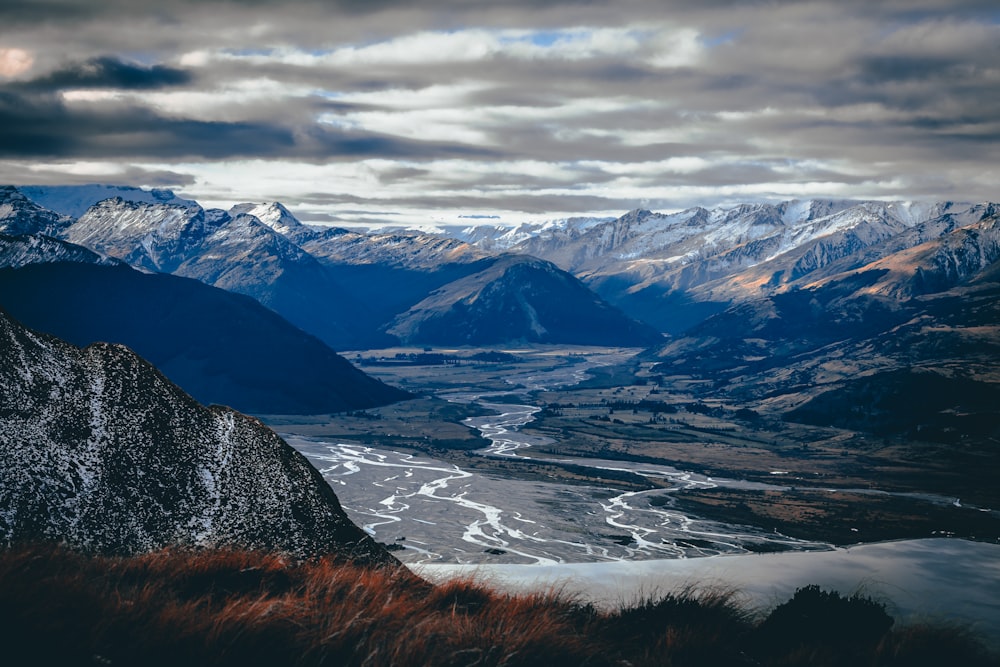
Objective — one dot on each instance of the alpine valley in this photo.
(753, 378)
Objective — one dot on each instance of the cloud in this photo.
(109, 72)
(567, 106)
(82, 173)
(42, 126)
(14, 62)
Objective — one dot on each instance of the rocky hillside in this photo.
(103, 453)
(867, 341)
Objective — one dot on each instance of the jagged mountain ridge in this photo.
(672, 270)
(25, 249)
(103, 453)
(220, 347)
(930, 312)
(74, 200)
(344, 287)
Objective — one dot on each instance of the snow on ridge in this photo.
(74, 200)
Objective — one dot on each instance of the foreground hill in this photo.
(103, 453)
(220, 347)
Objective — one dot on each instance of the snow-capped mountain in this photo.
(74, 200)
(103, 453)
(503, 238)
(349, 289)
(333, 245)
(654, 266)
(238, 253)
(409, 250)
(20, 215)
(155, 237)
(24, 249)
(278, 218)
(930, 308)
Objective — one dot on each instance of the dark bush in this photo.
(826, 622)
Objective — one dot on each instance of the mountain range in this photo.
(349, 289)
(104, 454)
(872, 316)
(673, 270)
(773, 303)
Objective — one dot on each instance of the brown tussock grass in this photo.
(173, 608)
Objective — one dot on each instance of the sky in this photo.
(372, 112)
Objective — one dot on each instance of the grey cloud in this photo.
(41, 126)
(804, 62)
(127, 175)
(108, 72)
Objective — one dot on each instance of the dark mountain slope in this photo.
(518, 298)
(103, 453)
(221, 347)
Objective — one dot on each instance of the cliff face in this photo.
(105, 454)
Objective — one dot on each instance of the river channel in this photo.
(437, 512)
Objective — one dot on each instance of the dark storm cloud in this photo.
(898, 97)
(108, 72)
(41, 126)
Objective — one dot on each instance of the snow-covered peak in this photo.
(278, 218)
(74, 200)
(272, 214)
(20, 215)
(151, 236)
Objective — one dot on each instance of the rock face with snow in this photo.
(518, 298)
(105, 454)
(672, 270)
(74, 200)
(25, 249)
(20, 215)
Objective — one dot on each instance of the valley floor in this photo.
(602, 462)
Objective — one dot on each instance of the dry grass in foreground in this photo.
(58, 607)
